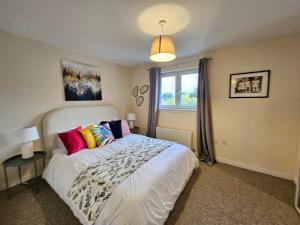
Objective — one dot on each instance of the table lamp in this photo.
(131, 117)
(28, 135)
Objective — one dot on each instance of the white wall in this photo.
(31, 84)
(260, 133)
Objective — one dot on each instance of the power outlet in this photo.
(223, 142)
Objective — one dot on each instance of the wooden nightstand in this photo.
(135, 130)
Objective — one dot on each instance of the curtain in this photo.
(154, 76)
(205, 139)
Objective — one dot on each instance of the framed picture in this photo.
(250, 84)
(81, 82)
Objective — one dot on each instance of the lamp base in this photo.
(130, 123)
(27, 150)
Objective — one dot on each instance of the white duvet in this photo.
(144, 198)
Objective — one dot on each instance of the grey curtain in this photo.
(154, 76)
(205, 141)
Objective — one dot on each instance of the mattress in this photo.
(144, 198)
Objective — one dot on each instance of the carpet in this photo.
(217, 195)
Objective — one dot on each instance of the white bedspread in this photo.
(144, 198)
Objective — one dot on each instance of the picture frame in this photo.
(253, 84)
(82, 82)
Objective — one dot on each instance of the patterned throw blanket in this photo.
(93, 186)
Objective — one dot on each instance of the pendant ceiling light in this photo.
(162, 48)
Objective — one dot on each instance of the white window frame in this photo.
(177, 75)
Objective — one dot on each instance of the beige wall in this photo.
(260, 133)
(31, 84)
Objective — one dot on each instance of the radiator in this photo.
(183, 137)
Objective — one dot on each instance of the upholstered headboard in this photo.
(64, 118)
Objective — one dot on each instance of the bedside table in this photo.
(18, 161)
(135, 130)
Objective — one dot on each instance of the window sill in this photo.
(178, 110)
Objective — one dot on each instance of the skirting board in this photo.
(256, 169)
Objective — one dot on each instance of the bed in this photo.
(144, 198)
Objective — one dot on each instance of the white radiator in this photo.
(183, 137)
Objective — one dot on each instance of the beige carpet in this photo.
(216, 195)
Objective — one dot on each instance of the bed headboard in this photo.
(64, 118)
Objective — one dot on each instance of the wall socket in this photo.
(223, 142)
(217, 142)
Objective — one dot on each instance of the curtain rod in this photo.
(181, 63)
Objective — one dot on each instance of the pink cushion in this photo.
(72, 140)
(125, 128)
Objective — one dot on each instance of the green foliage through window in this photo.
(168, 99)
(179, 90)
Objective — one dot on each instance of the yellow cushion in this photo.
(89, 137)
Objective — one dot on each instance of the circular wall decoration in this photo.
(135, 91)
(139, 100)
(144, 89)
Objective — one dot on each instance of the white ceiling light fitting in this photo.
(162, 48)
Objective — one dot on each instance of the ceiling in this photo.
(120, 31)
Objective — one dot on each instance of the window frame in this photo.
(177, 74)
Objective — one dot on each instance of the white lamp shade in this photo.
(131, 116)
(163, 49)
(28, 134)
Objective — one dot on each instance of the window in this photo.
(168, 91)
(179, 90)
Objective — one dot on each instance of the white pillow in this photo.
(89, 124)
(59, 151)
(61, 146)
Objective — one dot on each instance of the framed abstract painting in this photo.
(81, 82)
